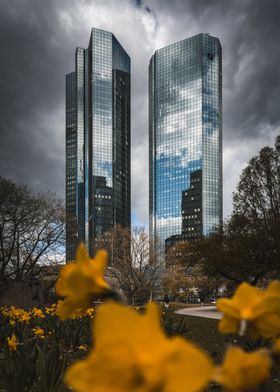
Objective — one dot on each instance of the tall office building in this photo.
(97, 141)
(185, 140)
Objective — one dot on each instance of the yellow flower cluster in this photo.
(132, 352)
(21, 315)
(252, 311)
(15, 314)
(76, 313)
(52, 310)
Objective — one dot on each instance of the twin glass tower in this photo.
(185, 136)
(185, 141)
(97, 141)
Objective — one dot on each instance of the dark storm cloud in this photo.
(34, 59)
(258, 92)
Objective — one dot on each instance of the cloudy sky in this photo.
(38, 40)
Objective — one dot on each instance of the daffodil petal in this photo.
(269, 326)
(247, 296)
(111, 369)
(107, 318)
(132, 353)
(65, 272)
(226, 306)
(242, 371)
(81, 254)
(229, 325)
(191, 369)
(270, 304)
(274, 288)
(81, 282)
(100, 261)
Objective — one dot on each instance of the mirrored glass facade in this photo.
(97, 141)
(185, 140)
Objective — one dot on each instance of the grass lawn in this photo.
(201, 331)
(204, 333)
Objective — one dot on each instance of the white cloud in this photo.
(139, 184)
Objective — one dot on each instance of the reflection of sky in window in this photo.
(80, 212)
(89, 150)
(185, 106)
(212, 137)
(102, 103)
(107, 54)
(178, 115)
(172, 179)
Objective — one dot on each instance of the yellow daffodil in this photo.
(12, 343)
(16, 314)
(80, 282)
(39, 332)
(132, 354)
(251, 311)
(51, 310)
(12, 323)
(24, 318)
(83, 347)
(242, 371)
(37, 313)
(89, 312)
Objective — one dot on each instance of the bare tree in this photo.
(31, 231)
(132, 262)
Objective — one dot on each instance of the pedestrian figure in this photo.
(166, 301)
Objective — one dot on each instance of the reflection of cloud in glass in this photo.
(98, 94)
(185, 131)
(172, 178)
(105, 167)
(168, 226)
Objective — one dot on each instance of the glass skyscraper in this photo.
(185, 140)
(97, 141)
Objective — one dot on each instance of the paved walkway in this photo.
(201, 311)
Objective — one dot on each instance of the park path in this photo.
(201, 311)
